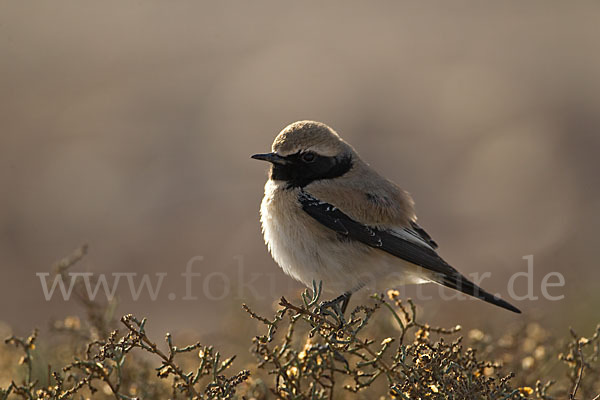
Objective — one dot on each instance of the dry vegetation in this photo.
(380, 350)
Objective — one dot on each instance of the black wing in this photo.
(423, 235)
(396, 245)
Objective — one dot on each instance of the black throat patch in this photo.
(298, 172)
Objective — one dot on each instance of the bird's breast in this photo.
(290, 234)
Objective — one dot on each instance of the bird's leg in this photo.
(345, 301)
(338, 305)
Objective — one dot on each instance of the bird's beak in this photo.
(270, 157)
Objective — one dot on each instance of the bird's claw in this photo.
(337, 307)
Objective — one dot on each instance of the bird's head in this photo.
(306, 151)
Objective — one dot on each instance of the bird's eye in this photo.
(308, 157)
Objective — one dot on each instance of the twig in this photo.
(166, 359)
(580, 375)
(283, 302)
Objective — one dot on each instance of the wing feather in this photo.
(412, 245)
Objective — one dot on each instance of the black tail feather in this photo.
(462, 284)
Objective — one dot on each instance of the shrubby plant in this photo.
(307, 350)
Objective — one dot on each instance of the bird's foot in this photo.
(337, 306)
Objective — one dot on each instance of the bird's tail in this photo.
(462, 284)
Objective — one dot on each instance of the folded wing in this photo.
(411, 244)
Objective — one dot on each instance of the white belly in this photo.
(307, 250)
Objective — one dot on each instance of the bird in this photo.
(327, 216)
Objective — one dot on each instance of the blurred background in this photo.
(129, 126)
